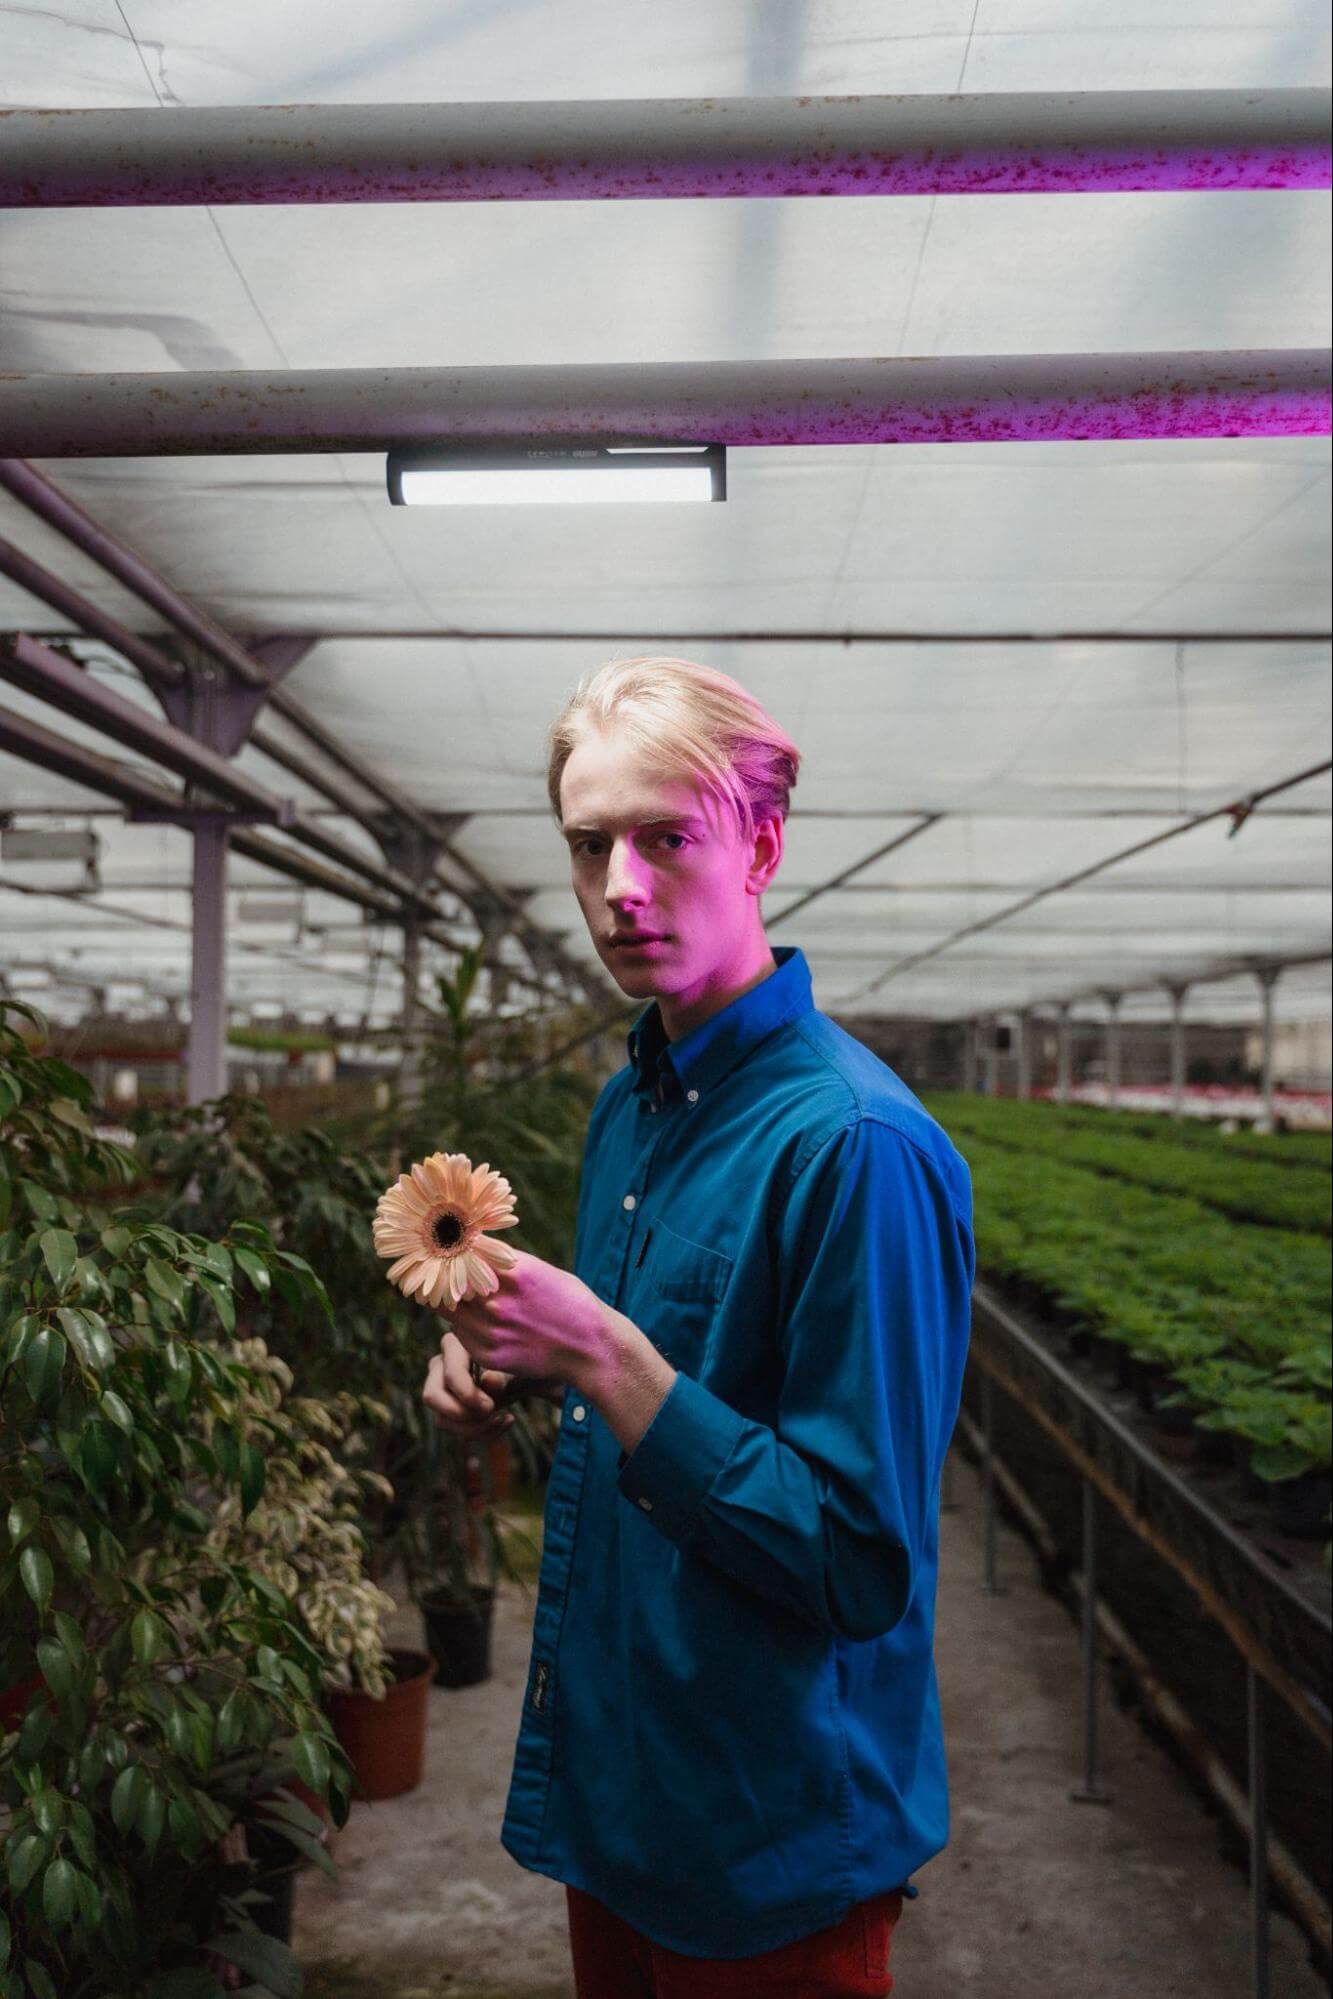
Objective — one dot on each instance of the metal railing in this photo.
(1283, 1632)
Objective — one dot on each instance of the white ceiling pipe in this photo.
(1013, 142)
(953, 399)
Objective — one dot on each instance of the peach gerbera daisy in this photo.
(433, 1221)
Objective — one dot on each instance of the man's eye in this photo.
(581, 846)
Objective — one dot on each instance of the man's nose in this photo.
(624, 874)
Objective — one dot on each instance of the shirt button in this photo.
(647, 1505)
(628, 1201)
(693, 1096)
(579, 1413)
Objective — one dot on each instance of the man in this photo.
(730, 1748)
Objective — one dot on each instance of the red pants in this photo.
(848, 1961)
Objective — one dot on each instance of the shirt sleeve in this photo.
(828, 1512)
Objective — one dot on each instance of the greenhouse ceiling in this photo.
(1063, 701)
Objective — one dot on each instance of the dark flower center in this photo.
(448, 1231)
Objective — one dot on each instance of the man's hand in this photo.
(475, 1410)
(542, 1322)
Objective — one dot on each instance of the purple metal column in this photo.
(206, 1066)
(1267, 978)
(1112, 1049)
(1178, 1050)
(1062, 1052)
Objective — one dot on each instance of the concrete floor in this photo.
(1034, 1894)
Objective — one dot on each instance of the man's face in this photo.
(657, 855)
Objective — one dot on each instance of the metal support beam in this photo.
(970, 1054)
(206, 1058)
(49, 751)
(146, 800)
(409, 1068)
(1091, 1791)
(28, 664)
(1268, 978)
(39, 671)
(1257, 1746)
(1024, 1053)
(1240, 808)
(45, 499)
(1178, 1050)
(1112, 1045)
(1015, 142)
(1062, 1054)
(948, 399)
(989, 1054)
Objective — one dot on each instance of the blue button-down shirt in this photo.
(731, 1728)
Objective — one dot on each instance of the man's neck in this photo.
(680, 1019)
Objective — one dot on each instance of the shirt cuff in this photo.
(670, 1470)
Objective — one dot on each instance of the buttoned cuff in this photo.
(670, 1470)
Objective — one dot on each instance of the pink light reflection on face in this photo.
(696, 886)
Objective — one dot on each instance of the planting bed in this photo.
(1271, 1587)
(1229, 1316)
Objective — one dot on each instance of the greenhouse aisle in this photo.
(1034, 1893)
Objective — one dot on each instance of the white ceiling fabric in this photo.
(1041, 754)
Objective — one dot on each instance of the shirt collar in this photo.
(701, 1058)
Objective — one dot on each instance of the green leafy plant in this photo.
(1239, 1314)
(318, 1197)
(161, 1688)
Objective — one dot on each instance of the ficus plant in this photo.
(319, 1197)
(158, 1691)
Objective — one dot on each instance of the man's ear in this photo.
(768, 848)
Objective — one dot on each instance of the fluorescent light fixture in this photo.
(40, 843)
(550, 471)
(268, 908)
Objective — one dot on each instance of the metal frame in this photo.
(1013, 142)
(953, 399)
(249, 668)
(1238, 811)
(1280, 1632)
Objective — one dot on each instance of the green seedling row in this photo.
(1239, 1185)
(1239, 1316)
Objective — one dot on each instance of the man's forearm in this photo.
(627, 1381)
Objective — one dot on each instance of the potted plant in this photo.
(169, 1682)
(305, 1535)
(476, 1099)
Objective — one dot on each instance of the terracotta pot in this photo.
(502, 1467)
(385, 1740)
(320, 1807)
(13, 1700)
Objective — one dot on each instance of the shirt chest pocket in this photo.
(679, 1289)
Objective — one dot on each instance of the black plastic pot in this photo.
(458, 1632)
(1150, 1379)
(1215, 1447)
(1111, 1359)
(274, 1916)
(1299, 1504)
(1172, 1419)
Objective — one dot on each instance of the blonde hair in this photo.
(691, 721)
